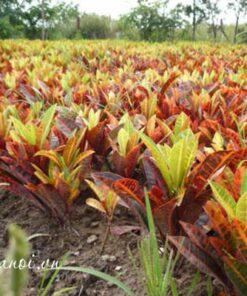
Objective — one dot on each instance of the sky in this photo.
(115, 8)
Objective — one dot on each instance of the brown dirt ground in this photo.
(73, 238)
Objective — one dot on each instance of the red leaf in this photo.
(233, 136)
(18, 189)
(152, 174)
(118, 162)
(199, 258)
(166, 218)
(120, 230)
(97, 138)
(106, 177)
(131, 160)
(51, 200)
(156, 195)
(170, 80)
(212, 163)
(129, 188)
(198, 237)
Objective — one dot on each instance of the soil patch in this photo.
(82, 237)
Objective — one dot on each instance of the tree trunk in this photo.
(78, 23)
(194, 22)
(194, 32)
(214, 29)
(236, 30)
(43, 19)
(223, 30)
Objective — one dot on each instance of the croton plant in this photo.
(84, 118)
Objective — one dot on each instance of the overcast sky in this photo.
(115, 8)
(112, 7)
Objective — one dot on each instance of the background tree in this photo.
(93, 26)
(32, 19)
(213, 11)
(178, 21)
(11, 17)
(127, 30)
(239, 7)
(151, 20)
(196, 10)
(242, 36)
(146, 18)
(46, 20)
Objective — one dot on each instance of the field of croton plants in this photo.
(99, 126)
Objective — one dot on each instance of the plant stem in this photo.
(106, 235)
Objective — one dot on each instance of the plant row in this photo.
(80, 118)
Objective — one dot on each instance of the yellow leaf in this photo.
(73, 195)
(41, 175)
(69, 150)
(96, 189)
(82, 156)
(95, 204)
(52, 155)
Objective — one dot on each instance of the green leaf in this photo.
(157, 268)
(18, 250)
(241, 208)
(123, 138)
(27, 132)
(174, 288)
(209, 286)
(243, 189)
(182, 123)
(176, 164)
(193, 284)
(160, 159)
(224, 198)
(102, 276)
(151, 226)
(182, 156)
(45, 289)
(46, 122)
(63, 291)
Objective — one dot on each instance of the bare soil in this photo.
(120, 257)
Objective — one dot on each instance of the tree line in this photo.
(150, 20)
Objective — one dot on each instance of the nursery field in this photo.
(100, 139)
